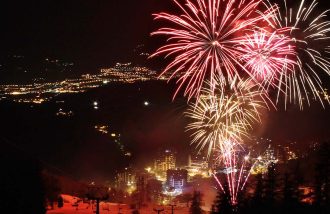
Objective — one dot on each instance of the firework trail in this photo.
(309, 34)
(235, 166)
(203, 41)
(217, 116)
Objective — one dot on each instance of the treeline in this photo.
(21, 186)
(27, 185)
(288, 188)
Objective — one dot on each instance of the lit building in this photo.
(165, 162)
(141, 194)
(176, 178)
(154, 190)
(263, 162)
(126, 180)
(269, 155)
(197, 166)
(289, 154)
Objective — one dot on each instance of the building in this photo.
(165, 161)
(141, 192)
(264, 161)
(126, 180)
(154, 191)
(176, 178)
(197, 165)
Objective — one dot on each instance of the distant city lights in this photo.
(120, 73)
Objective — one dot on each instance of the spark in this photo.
(237, 167)
(309, 34)
(219, 116)
(202, 41)
(267, 56)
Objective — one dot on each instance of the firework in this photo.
(235, 166)
(268, 56)
(220, 116)
(203, 41)
(309, 34)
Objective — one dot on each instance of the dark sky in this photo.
(95, 30)
(92, 31)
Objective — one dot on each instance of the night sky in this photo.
(91, 31)
(94, 33)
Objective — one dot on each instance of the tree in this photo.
(223, 203)
(322, 177)
(290, 194)
(195, 207)
(60, 202)
(257, 202)
(135, 212)
(213, 210)
(185, 198)
(154, 190)
(52, 188)
(21, 186)
(243, 200)
(270, 188)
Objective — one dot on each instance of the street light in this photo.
(97, 193)
(172, 207)
(159, 210)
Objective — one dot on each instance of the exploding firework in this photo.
(220, 116)
(267, 56)
(309, 34)
(235, 165)
(203, 41)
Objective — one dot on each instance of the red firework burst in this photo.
(268, 56)
(204, 41)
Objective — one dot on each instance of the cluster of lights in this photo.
(63, 113)
(123, 73)
(102, 129)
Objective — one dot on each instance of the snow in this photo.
(105, 208)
